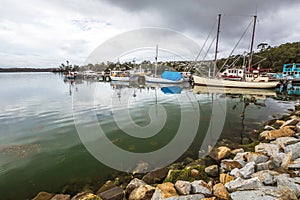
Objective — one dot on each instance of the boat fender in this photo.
(255, 75)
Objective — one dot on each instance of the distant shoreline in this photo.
(2, 70)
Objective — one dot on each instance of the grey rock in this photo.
(277, 159)
(285, 141)
(115, 193)
(264, 193)
(201, 187)
(294, 148)
(244, 172)
(240, 184)
(156, 176)
(294, 164)
(86, 196)
(183, 187)
(269, 165)
(187, 197)
(212, 170)
(143, 192)
(269, 149)
(229, 165)
(61, 197)
(256, 157)
(236, 151)
(134, 183)
(251, 195)
(247, 170)
(267, 177)
(236, 173)
(269, 128)
(291, 122)
(284, 181)
(286, 160)
(264, 134)
(240, 157)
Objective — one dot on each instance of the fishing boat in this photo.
(245, 80)
(120, 76)
(218, 82)
(167, 77)
(70, 75)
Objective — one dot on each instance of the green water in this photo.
(41, 150)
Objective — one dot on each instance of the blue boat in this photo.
(290, 72)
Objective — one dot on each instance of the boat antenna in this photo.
(156, 55)
(217, 41)
(252, 42)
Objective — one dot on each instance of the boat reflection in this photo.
(257, 93)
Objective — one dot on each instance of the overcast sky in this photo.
(45, 33)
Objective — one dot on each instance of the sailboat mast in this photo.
(217, 43)
(251, 47)
(156, 55)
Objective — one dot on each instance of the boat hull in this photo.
(116, 78)
(233, 84)
(150, 79)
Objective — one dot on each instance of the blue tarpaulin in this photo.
(171, 89)
(174, 76)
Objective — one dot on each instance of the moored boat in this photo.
(167, 77)
(215, 82)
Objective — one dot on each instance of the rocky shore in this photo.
(266, 168)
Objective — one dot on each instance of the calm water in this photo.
(41, 149)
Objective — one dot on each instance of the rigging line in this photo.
(235, 46)
(208, 49)
(212, 28)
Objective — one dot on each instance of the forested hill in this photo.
(271, 57)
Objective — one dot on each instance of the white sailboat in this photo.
(167, 77)
(219, 82)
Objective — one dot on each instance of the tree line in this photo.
(267, 57)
